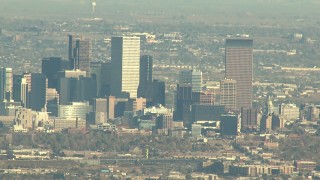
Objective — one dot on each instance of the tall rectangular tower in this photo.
(125, 62)
(26, 89)
(72, 50)
(80, 53)
(9, 84)
(106, 80)
(193, 77)
(146, 66)
(39, 85)
(6, 84)
(183, 105)
(85, 55)
(16, 92)
(2, 84)
(238, 64)
(24, 93)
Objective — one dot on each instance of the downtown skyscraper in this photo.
(238, 64)
(80, 53)
(146, 68)
(6, 84)
(146, 65)
(125, 63)
(193, 77)
(39, 86)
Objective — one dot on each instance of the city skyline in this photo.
(164, 90)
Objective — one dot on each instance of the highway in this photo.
(151, 161)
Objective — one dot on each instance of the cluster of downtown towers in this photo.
(128, 75)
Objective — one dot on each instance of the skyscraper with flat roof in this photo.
(146, 65)
(2, 84)
(106, 75)
(85, 55)
(229, 124)
(80, 53)
(193, 77)
(9, 84)
(24, 93)
(26, 86)
(183, 105)
(6, 84)
(238, 64)
(72, 52)
(77, 89)
(50, 67)
(125, 62)
(155, 93)
(95, 72)
(38, 91)
(16, 92)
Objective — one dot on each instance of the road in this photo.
(151, 161)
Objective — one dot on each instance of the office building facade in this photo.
(80, 53)
(228, 93)
(16, 92)
(77, 89)
(106, 80)
(51, 67)
(183, 104)
(6, 84)
(193, 77)
(155, 93)
(249, 118)
(125, 62)
(38, 91)
(207, 98)
(238, 66)
(229, 124)
(74, 110)
(207, 112)
(146, 66)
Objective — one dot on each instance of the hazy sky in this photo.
(106, 8)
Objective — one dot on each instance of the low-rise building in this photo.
(202, 176)
(305, 165)
(75, 110)
(106, 127)
(255, 170)
(30, 119)
(65, 123)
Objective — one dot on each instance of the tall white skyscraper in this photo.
(125, 62)
(24, 92)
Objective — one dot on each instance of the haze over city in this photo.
(159, 89)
